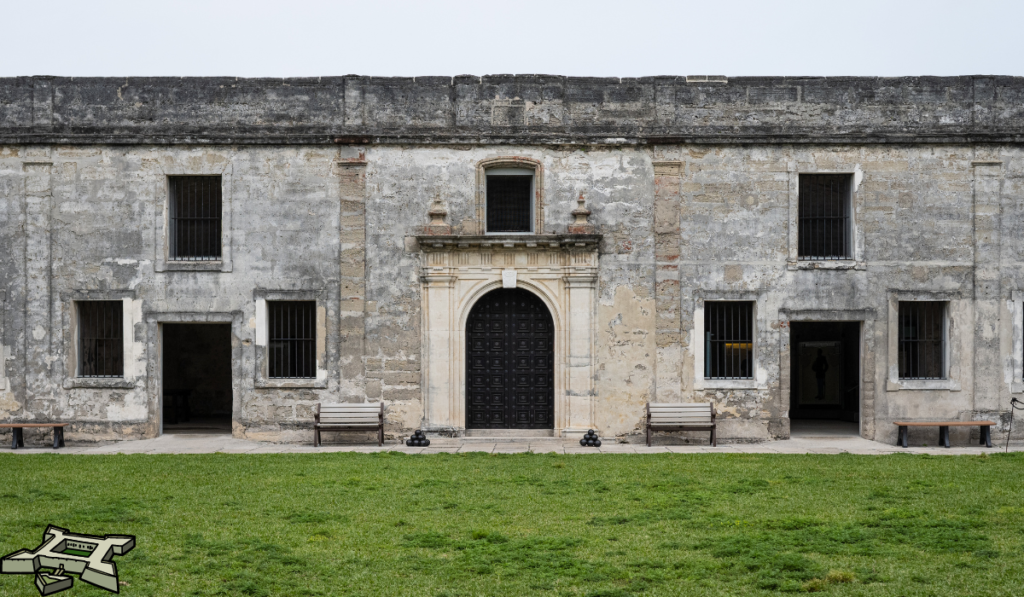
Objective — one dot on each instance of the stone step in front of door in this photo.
(510, 433)
(493, 436)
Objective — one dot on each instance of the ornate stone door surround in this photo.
(458, 270)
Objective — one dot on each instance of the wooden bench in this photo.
(349, 417)
(18, 441)
(985, 426)
(683, 416)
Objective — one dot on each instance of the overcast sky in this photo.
(626, 38)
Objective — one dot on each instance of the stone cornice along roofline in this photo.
(511, 110)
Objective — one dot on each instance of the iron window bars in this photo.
(195, 212)
(509, 203)
(292, 339)
(922, 353)
(728, 340)
(100, 339)
(824, 217)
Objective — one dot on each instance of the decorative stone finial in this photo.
(437, 212)
(582, 224)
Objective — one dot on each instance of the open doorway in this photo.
(825, 378)
(196, 378)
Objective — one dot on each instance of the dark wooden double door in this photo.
(510, 363)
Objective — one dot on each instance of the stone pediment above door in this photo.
(540, 252)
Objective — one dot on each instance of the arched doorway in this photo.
(510, 362)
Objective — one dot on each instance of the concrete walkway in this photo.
(210, 443)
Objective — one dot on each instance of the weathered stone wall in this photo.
(99, 211)
(507, 109)
(691, 183)
(931, 222)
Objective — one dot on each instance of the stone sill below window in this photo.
(194, 266)
(118, 383)
(829, 264)
(286, 384)
(950, 385)
(726, 384)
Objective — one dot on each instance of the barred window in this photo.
(824, 218)
(728, 340)
(195, 211)
(292, 339)
(100, 339)
(922, 351)
(510, 202)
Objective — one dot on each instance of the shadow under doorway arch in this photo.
(510, 362)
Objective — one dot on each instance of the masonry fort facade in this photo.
(510, 252)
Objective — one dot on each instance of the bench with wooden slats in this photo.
(684, 416)
(349, 417)
(18, 441)
(984, 426)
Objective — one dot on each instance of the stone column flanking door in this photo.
(457, 270)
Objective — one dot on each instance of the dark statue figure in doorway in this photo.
(820, 367)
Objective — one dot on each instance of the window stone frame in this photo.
(133, 352)
(760, 323)
(953, 342)
(262, 379)
(793, 261)
(162, 227)
(518, 163)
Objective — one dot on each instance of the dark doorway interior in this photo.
(197, 378)
(510, 362)
(825, 371)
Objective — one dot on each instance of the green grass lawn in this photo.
(663, 524)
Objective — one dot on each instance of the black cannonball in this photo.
(426, 442)
(408, 442)
(583, 441)
(590, 442)
(597, 443)
(590, 431)
(420, 442)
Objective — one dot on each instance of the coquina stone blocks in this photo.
(692, 187)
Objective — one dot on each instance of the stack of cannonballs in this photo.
(417, 439)
(591, 440)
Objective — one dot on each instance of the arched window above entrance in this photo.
(510, 196)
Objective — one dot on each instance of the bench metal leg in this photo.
(714, 439)
(943, 436)
(901, 439)
(986, 436)
(19, 438)
(380, 435)
(648, 436)
(56, 437)
(14, 438)
(316, 437)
